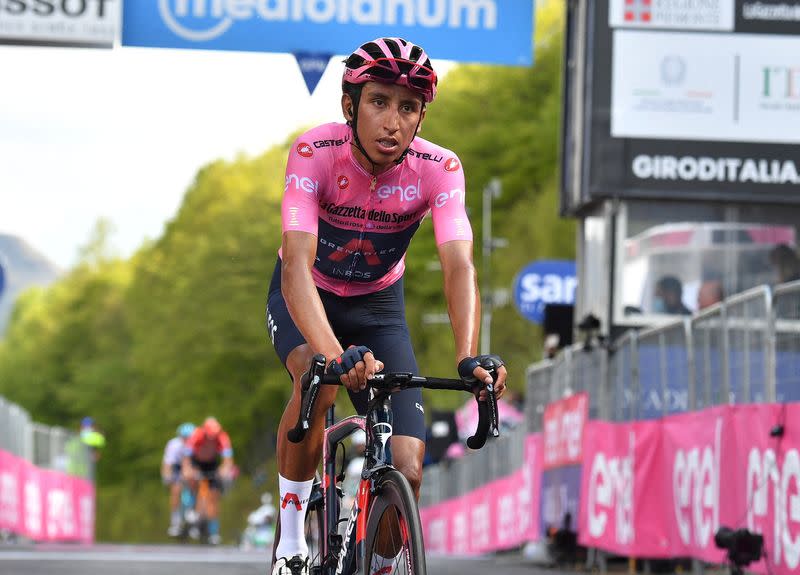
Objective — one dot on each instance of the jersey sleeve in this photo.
(191, 443)
(167, 458)
(225, 448)
(447, 202)
(300, 206)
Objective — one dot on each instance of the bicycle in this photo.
(186, 504)
(197, 517)
(384, 516)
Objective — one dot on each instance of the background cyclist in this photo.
(209, 453)
(355, 194)
(171, 474)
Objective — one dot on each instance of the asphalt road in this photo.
(193, 560)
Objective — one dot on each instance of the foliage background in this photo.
(177, 331)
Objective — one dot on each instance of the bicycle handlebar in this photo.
(391, 382)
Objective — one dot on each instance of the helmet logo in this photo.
(305, 150)
(342, 182)
(452, 165)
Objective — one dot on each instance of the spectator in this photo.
(91, 437)
(786, 263)
(668, 297)
(710, 293)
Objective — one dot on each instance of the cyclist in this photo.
(209, 452)
(354, 195)
(171, 474)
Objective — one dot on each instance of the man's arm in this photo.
(300, 294)
(186, 467)
(463, 304)
(463, 298)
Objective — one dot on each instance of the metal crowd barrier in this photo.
(45, 446)
(745, 349)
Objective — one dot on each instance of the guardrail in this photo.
(47, 447)
(745, 349)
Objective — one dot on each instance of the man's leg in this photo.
(174, 501)
(212, 511)
(297, 462)
(408, 453)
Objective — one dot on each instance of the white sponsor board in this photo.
(737, 88)
(63, 22)
(672, 14)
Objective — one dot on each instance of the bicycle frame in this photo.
(344, 554)
(377, 424)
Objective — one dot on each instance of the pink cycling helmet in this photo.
(392, 61)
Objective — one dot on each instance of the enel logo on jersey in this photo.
(406, 194)
(302, 183)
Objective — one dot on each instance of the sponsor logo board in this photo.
(466, 30)
(62, 22)
(672, 14)
(705, 87)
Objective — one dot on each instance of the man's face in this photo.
(388, 115)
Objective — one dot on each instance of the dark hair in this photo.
(782, 254)
(670, 284)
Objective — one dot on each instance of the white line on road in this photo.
(142, 556)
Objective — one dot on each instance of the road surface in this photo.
(194, 560)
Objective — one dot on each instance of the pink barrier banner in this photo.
(564, 421)
(765, 480)
(653, 489)
(499, 515)
(45, 505)
(663, 488)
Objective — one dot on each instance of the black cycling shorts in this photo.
(209, 470)
(376, 320)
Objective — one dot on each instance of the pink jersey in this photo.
(365, 224)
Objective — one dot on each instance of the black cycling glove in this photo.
(348, 360)
(467, 366)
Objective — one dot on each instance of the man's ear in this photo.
(421, 118)
(347, 107)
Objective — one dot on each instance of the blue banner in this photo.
(489, 31)
(561, 492)
(312, 66)
(542, 282)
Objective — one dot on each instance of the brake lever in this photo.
(309, 389)
(487, 412)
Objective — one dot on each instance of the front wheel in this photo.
(394, 532)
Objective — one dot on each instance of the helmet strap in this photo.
(405, 152)
(355, 96)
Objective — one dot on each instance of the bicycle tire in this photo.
(314, 531)
(394, 517)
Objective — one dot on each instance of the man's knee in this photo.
(412, 470)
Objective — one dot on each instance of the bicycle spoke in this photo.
(391, 545)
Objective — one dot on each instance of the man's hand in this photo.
(355, 367)
(471, 370)
(226, 470)
(187, 471)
